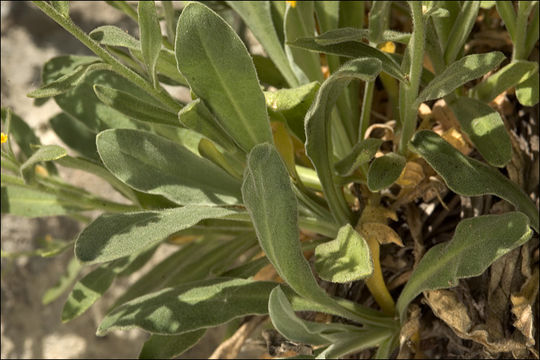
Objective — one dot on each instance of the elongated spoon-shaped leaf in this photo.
(191, 306)
(476, 244)
(527, 91)
(458, 73)
(111, 237)
(344, 259)
(257, 15)
(384, 170)
(150, 36)
(318, 143)
(470, 177)
(485, 128)
(218, 68)
(271, 203)
(155, 165)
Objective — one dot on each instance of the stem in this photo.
(366, 109)
(66, 22)
(415, 73)
(375, 282)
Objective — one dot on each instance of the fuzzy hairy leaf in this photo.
(459, 73)
(114, 36)
(485, 128)
(44, 153)
(150, 36)
(257, 15)
(170, 346)
(155, 165)
(192, 306)
(527, 91)
(344, 259)
(135, 108)
(510, 75)
(220, 71)
(384, 171)
(347, 34)
(476, 244)
(63, 284)
(318, 143)
(111, 237)
(353, 49)
(470, 177)
(361, 153)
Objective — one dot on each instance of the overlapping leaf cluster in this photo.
(262, 156)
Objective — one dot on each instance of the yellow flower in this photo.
(388, 47)
(4, 138)
(292, 3)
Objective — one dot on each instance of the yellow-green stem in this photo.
(375, 282)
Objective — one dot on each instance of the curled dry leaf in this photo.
(522, 308)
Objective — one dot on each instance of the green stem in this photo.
(66, 22)
(415, 73)
(366, 109)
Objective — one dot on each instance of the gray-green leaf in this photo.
(257, 15)
(111, 237)
(459, 73)
(318, 143)
(219, 70)
(470, 177)
(170, 346)
(384, 171)
(485, 128)
(527, 91)
(510, 75)
(150, 36)
(361, 153)
(344, 259)
(44, 153)
(191, 306)
(155, 165)
(476, 244)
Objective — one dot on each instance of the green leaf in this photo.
(135, 108)
(272, 206)
(353, 49)
(459, 73)
(344, 259)
(114, 36)
(66, 82)
(470, 177)
(72, 271)
(75, 135)
(510, 75)
(299, 22)
(44, 153)
(111, 237)
(378, 20)
(508, 15)
(31, 203)
(356, 341)
(485, 128)
(318, 144)
(361, 153)
(220, 71)
(22, 133)
(527, 91)
(293, 328)
(257, 15)
(461, 29)
(86, 292)
(191, 306)
(155, 165)
(348, 34)
(384, 171)
(62, 7)
(59, 66)
(293, 104)
(166, 65)
(150, 34)
(197, 117)
(170, 346)
(82, 103)
(267, 72)
(476, 244)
